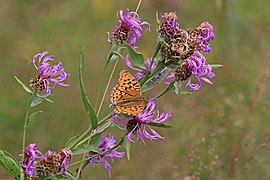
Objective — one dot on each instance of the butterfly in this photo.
(126, 96)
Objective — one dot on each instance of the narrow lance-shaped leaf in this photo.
(136, 58)
(215, 66)
(10, 164)
(87, 105)
(127, 146)
(163, 125)
(32, 118)
(26, 88)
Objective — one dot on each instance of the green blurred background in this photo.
(206, 123)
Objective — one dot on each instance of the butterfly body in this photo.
(126, 96)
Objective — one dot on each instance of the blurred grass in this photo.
(206, 123)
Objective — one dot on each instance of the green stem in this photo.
(26, 117)
(155, 54)
(159, 68)
(82, 139)
(114, 47)
(165, 90)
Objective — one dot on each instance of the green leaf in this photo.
(117, 124)
(67, 175)
(160, 125)
(8, 162)
(32, 118)
(95, 140)
(155, 81)
(162, 41)
(127, 146)
(36, 101)
(71, 140)
(215, 66)
(114, 54)
(26, 88)
(176, 87)
(87, 105)
(136, 58)
(78, 151)
(91, 148)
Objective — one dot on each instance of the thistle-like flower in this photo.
(54, 74)
(37, 165)
(140, 124)
(169, 26)
(195, 66)
(129, 29)
(30, 155)
(107, 142)
(201, 36)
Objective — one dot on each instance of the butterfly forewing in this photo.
(127, 95)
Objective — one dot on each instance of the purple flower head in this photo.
(206, 34)
(195, 66)
(140, 124)
(169, 25)
(30, 155)
(107, 142)
(130, 27)
(54, 74)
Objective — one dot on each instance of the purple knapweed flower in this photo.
(169, 26)
(205, 34)
(130, 27)
(36, 164)
(30, 155)
(54, 74)
(195, 66)
(107, 142)
(139, 124)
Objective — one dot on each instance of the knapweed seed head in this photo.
(129, 29)
(107, 143)
(48, 75)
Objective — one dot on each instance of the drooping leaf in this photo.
(8, 162)
(32, 118)
(127, 146)
(163, 125)
(136, 58)
(215, 66)
(87, 105)
(91, 148)
(26, 88)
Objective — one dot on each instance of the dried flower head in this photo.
(107, 143)
(54, 74)
(129, 29)
(169, 26)
(139, 124)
